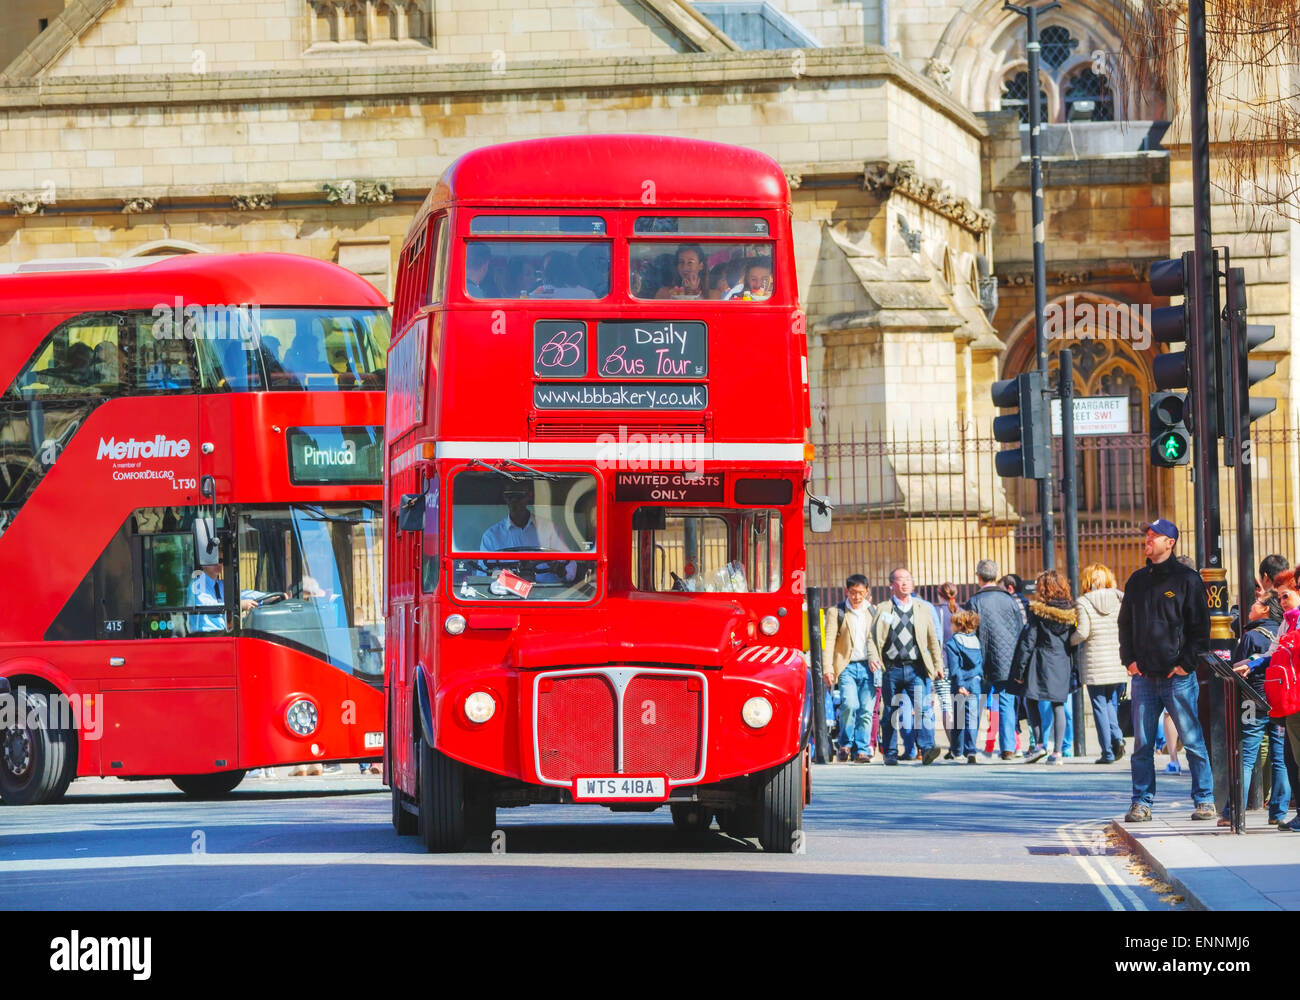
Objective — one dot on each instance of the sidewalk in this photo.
(1212, 867)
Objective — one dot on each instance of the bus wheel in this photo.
(208, 786)
(740, 822)
(691, 817)
(36, 762)
(405, 823)
(781, 808)
(442, 801)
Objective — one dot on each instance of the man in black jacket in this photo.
(1164, 622)
(1001, 619)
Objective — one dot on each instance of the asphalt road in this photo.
(945, 837)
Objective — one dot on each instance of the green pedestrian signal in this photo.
(1173, 448)
(1171, 442)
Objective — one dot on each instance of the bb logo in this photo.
(1169, 593)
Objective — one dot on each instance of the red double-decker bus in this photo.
(190, 502)
(596, 425)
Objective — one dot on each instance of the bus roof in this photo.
(270, 279)
(613, 171)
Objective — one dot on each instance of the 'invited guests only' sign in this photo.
(678, 487)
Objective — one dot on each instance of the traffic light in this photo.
(1246, 337)
(1031, 427)
(1171, 444)
(1173, 324)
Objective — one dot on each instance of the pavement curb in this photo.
(1135, 844)
(1222, 890)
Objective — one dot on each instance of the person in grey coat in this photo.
(1100, 666)
(1001, 620)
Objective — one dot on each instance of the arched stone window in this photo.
(1058, 45)
(1015, 96)
(351, 23)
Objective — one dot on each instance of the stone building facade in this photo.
(138, 127)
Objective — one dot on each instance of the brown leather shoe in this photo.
(842, 755)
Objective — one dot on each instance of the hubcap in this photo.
(17, 751)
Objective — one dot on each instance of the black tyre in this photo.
(691, 817)
(443, 824)
(780, 808)
(36, 761)
(208, 786)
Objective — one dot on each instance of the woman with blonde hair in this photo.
(1047, 659)
(1100, 665)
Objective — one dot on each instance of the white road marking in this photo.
(1104, 875)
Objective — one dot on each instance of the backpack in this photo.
(1281, 680)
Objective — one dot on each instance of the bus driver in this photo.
(520, 530)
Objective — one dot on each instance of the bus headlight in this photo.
(757, 713)
(301, 717)
(768, 625)
(454, 624)
(480, 706)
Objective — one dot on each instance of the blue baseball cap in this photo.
(1162, 527)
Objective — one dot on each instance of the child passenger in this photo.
(964, 662)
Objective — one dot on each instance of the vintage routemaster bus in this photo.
(190, 520)
(596, 426)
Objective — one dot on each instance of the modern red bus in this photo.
(596, 426)
(190, 502)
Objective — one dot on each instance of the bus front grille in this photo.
(582, 723)
(662, 723)
(575, 727)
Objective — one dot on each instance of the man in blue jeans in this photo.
(1164, 622)
(855, 668)
(904, 633)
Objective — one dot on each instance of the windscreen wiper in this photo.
(492, 468)
(532, 472)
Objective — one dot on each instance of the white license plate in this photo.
(374, 740)
(619, 787)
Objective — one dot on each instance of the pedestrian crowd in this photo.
(1013, 655)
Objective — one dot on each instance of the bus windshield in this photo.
(321, 557)
(297, 349)
(546, 524)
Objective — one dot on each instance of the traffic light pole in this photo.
(1032, 48)
(1205, 446)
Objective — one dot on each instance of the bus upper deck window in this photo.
(737, 272)
(536, 269)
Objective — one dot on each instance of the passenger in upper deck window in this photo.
(724, 277)
(478, 259)
(757, 283)
(690, 275)
(560, 279)
(593, 268)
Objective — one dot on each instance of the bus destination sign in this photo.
(335, 455)
(675, 487)
(652, 350)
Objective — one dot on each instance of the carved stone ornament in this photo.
(884, 178)
(252, 202)
(940, 73)
(375, 193)
(793, 179)
(135, 206)
(27, 203)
